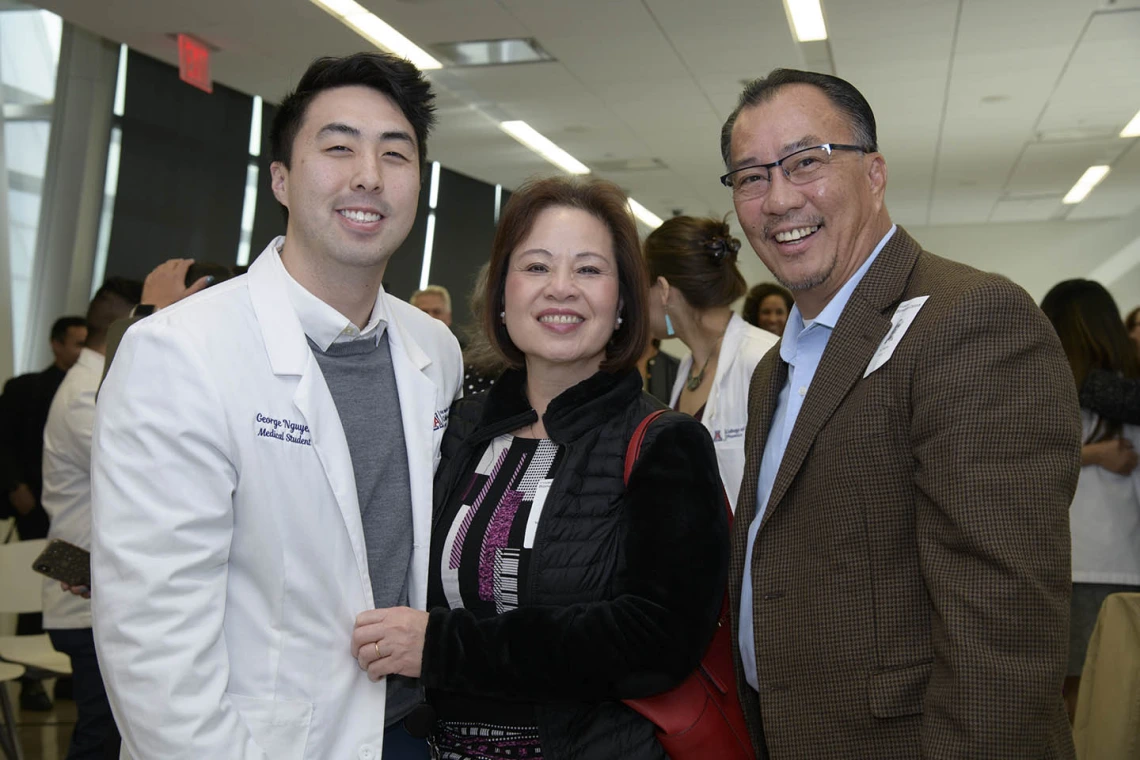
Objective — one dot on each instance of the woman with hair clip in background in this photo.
(694, 281)
(1105, 516)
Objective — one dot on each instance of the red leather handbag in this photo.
(702, 718)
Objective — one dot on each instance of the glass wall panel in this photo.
(29, 58)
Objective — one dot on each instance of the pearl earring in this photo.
(618, 326)
(503, 317)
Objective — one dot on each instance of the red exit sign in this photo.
(194, 63)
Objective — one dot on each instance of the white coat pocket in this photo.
(280, 727)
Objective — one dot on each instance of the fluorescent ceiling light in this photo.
(121, 84)
(807, 20)
(650, 219)
(529, 137)
(369, 26)
(341, 7)
(429, 243)
(1133, 127)
(255, 128)
(433, 194)
(1090, 179)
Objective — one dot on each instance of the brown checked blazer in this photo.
(911, 573)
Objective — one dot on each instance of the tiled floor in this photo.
(43, 735)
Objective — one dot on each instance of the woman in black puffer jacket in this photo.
(556, 590)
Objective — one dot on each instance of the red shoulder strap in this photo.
(633, 450)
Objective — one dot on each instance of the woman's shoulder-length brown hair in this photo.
(605, 201)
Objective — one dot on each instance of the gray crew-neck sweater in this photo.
(362, 382)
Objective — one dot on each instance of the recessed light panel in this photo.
(491, 52)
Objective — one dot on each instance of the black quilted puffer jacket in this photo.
(625, 584)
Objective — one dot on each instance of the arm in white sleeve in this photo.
(163, 477)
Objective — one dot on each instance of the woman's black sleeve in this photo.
(1112, 397)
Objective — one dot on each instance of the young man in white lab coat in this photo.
(264, 453)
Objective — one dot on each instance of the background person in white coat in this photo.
(67, 501)
(692, 268)
(264, 452)
(1104, 519)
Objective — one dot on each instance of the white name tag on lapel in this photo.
(900, 322)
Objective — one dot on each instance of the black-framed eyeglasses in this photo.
(800, 167)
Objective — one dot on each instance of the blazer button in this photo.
(771, 596)
(366, 752)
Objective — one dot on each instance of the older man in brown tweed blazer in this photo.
(900, 556)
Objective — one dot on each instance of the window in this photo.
(29, 58)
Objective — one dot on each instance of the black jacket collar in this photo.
(575, 411)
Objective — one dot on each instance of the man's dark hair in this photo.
(60, 327)
(200, 269)
(387, 74)
(113, 300)
(840, 92)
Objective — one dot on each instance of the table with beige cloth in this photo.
(1107, 723)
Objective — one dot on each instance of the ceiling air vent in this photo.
(490, 52)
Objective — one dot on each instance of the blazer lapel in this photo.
(767, 380)
(863, 324)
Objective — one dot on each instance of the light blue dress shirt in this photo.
(802, 348)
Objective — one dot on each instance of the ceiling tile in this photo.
(1117, 194)
(1100, 89)
(1026, 210)
(1053, 168)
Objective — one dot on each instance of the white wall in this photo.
(1038, 255)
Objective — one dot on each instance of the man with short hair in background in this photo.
(433, 300)
(67, 501)
(436, 301)
(900, 555)
(23, 412)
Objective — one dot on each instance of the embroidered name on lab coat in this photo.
(728, 434)
(283, 429)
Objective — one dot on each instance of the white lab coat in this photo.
(1104, 520)
(67, 480)
(726, 411)
(229, 566)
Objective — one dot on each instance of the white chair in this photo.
(10, 737)
(22, 591)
